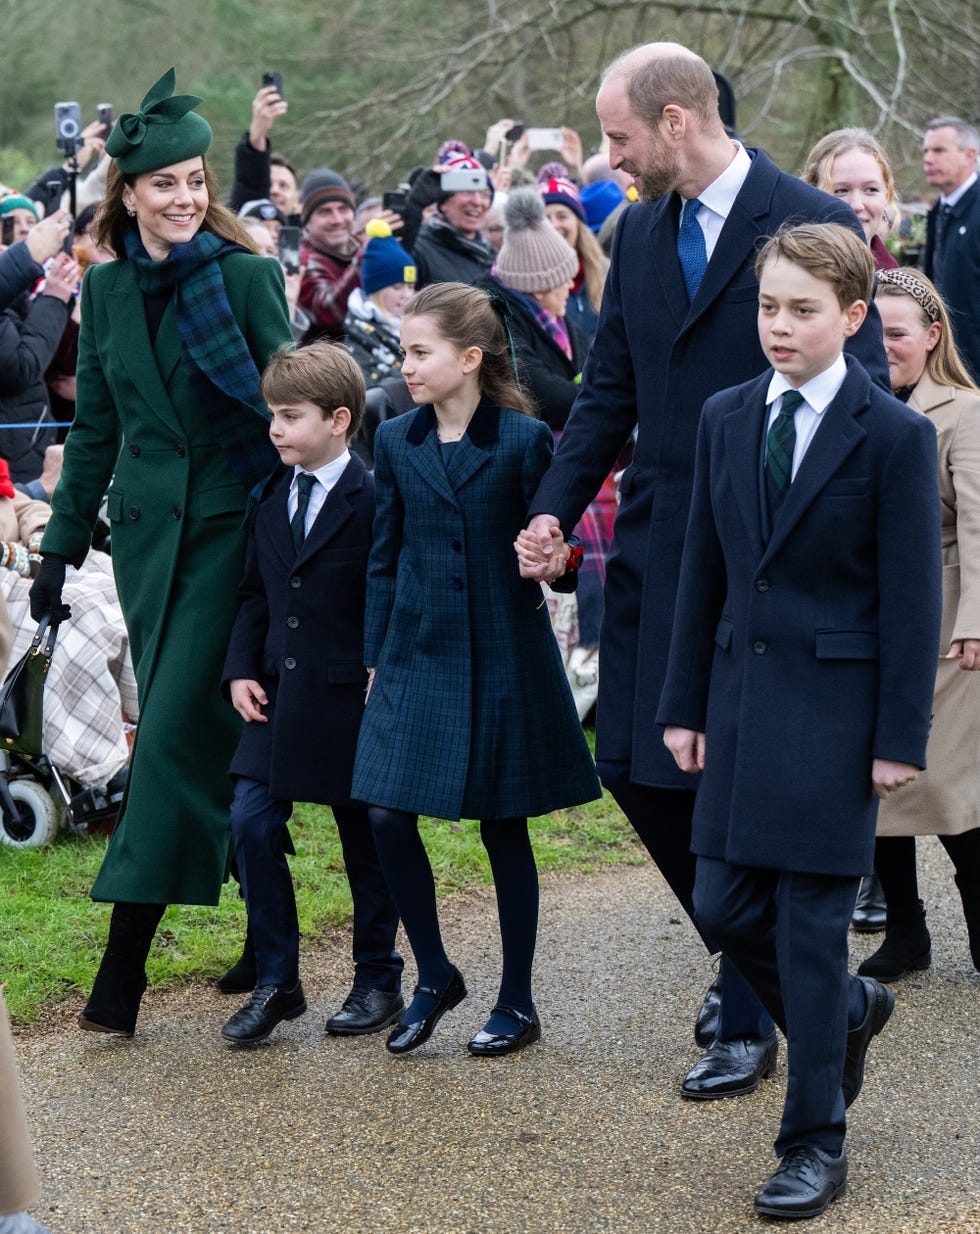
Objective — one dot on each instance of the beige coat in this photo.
(18, 1181)
(945, 800)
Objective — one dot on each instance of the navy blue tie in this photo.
(691, 248)
(297, 524)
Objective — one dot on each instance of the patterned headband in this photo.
(912, 287)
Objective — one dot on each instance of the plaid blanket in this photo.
(91, 683)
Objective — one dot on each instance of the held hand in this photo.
(266, 106)
(687, 747)
(967, 651)
(520, 151)
(540, 549)
(571, 151)
(888, 777)
(93, 143)
(248, 698)
(62, 278)
(46, 238)
(45, 593)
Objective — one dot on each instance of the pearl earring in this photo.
(131, 213)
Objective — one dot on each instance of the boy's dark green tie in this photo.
(780, 444)
(297, 524)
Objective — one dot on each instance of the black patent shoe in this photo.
(731, 1068)
(493, 1045)
(366, 1010)
(409, 1036)
(805, 1183)
(268, 1006)
(870, 912)
(706, 1024)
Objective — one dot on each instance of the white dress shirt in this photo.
(719, 197)
(327, 476)
(818, 393)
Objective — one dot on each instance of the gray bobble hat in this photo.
(534, 257)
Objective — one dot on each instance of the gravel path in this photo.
(584, 1133)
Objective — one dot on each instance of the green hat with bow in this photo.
(165, 130)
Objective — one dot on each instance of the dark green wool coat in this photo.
(178, 544)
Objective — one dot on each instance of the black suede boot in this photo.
(907, 947)
(240, 978)
(114, 1003)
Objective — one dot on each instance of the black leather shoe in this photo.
(870, 912)
(408, 1036)
(907, 948)
(731, 1068)
(268, 1006)
(881, 1003)
(366, 1010)
(492, 1045)
(706, 1024)
(806, 1182)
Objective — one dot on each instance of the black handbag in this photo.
(22, 694)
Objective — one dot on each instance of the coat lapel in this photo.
(167, 345)
(663, 238)
(137, 353)
(928, 395)
(743, 429)
(837, 436)
(336, 511)
(424, 454)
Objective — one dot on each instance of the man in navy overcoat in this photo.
(658, 354)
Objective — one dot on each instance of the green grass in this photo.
(52, 935)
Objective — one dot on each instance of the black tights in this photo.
(895, 866)
(406, 868)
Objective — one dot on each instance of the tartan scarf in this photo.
(222, 372)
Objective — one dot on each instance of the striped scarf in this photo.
(222, 372)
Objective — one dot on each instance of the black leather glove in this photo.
(47, 588)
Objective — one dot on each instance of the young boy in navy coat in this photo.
(295, 673)
(800, 675)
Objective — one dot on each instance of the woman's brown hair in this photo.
(112, 222)
(466, 317)
(595, 264)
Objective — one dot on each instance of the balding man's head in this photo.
(656, 75)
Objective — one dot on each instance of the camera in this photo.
(289, 249)
(7, 234)
(68, 127)
(395, 201)
(463, 180)
(275, 80)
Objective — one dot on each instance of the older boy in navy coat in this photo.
(800, 675)
(295, 673)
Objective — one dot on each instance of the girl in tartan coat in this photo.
(468, 714)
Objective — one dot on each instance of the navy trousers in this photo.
(661, 818)
(261, 841)
(787, 932)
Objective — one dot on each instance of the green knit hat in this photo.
(165, 130)
(17, 201)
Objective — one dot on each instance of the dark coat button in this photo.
(134, 512)
(295, 582)
(457, 546)
(177, 511)
(458, 584)
(290, 662)
(762, 584)
(134, 451)
(292, 622)
(181, 451)
(760, 648)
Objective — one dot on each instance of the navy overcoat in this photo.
(805, 656)
(470, 714)
(957, 274)
(654, 361)
(300, 634)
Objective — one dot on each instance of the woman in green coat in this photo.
(174, 335)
